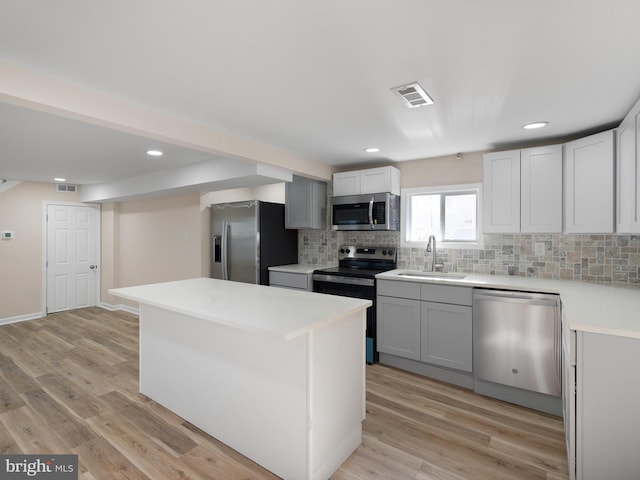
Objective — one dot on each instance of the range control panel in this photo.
(367, 253)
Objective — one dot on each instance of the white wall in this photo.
(21, 210)
(152, 240)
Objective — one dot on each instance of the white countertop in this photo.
(254, 308)
(298, 268)
(589, 307)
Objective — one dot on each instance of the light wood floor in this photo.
(69, 384)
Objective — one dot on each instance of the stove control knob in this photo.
(384, 252)
(348, 251)
(342, 250)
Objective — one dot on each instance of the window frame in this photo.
(407, 193)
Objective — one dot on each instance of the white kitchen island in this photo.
(276, 374)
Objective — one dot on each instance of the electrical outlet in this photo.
(184, 236)
(539, 249)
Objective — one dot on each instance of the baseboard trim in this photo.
(119, 307)
(21, 318)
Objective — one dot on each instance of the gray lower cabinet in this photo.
(429, 323)
(295, 281)
(446, 335)
(399, 326)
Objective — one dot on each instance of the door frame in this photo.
(45, 208)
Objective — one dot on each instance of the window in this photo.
(451, 214)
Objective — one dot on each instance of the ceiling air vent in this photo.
(414, 95)
(66, 187)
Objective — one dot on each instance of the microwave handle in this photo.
(371, 212)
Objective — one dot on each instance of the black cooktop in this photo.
(354, 271)
(362, 262)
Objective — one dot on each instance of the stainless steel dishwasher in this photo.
(516, 339)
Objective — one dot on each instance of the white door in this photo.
(72, 267)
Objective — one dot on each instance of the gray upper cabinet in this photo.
(589, 184)
(305, 203)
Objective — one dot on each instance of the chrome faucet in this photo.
(431, 248)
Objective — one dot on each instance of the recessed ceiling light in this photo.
(531, 126)
(154, 153)
(372, 150)
(59, 179)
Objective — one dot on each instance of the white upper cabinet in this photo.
(501, 192)
(589, 184)
(371, 180)
(522, 190)
(628, 172)
(380, 180)
(541, 189)
(346, 183)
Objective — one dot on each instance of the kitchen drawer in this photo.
(299, 281)
(393, 288)
(446, 294)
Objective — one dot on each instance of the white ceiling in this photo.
(314, 77)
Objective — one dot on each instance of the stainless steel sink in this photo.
(433, 275)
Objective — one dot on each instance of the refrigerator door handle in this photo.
(225, 253)
(215, 245)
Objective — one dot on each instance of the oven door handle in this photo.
(366, 282)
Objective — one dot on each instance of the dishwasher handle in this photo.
(516, 297)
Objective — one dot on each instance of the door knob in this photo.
(93, 266)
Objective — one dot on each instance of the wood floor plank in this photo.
(9, 398)
(85, 378)
(105, 462)
(72, 383)
(30, 434)
(140, 449)
(7, 443)
(153, 425)
(375, 460)
(83, 404)
(15, 376)
(70, 428)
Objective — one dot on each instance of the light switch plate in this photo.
(6, 235)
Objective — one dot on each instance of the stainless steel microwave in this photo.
(376, 211)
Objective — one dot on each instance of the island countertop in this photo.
(253, 308)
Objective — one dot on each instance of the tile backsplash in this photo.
(594, 258)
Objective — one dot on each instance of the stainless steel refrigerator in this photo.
(248, 238)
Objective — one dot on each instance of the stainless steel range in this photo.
(355, 277)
